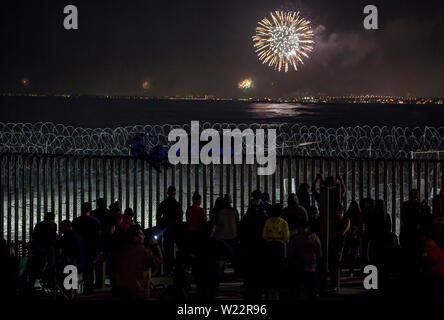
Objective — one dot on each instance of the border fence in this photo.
(33, 184)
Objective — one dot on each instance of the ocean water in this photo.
(111, 113)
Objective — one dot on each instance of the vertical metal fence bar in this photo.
(345, 177)
(228, 182)
(52, 183)
(74, 182)
(385, 182)
(211, 185)
(143, 194)
(165, 183)
(89, 179)
(426, 182)
(369, 178)
(442, 174)
(435, 178)
(281, 180)
(59, 188)
(289, 174)
(97, 170)
(173, 176)
(9, 203)
(82, 180)
(393, 196)
(105, 178)
(418, 178)
(180, 183)
(188, 185)
(377, 180)
(39, 203)
(157, 190)
(119, 182)
(234, 187)
(361, 179)
(401, 182)
(32, 181)
(296, 174)
(242, 185)
(266, 186)
(135, 204)
(67, 191)
(273, 187)
(45, 183)
(23, 182)
(250, 182)
(204, 186)
(16, 200)
(2, 212)
(150, 196)
(221, 179)
(353, 194)
(112, 180)
(127, 184)
(313, 177)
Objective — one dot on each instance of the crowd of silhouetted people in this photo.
(275, 249)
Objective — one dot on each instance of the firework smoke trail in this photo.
(284, 41)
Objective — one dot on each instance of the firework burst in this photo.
(284, 40)
(245, 84)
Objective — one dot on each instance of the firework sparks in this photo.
(24, 82)
(245, 84)
(146, 85)
(284, 40)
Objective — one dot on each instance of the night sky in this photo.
(205, 47)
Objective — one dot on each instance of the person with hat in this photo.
(169, 216)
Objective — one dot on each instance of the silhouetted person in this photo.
(293, 211)
(276, 235)
(304, 253)
(367, 206)
(196, 218)
(126, 221)
(225, 231)
(314, 220)
(88, 228)
(304, 195)
(169, 217)
(219, 204)
(353, 241)
(339, 227)
(69, 246)
(133, 264)
(101, 212)
(410, 221)
(251, 228)
(44, 239)
(267, 204)
(9, 270)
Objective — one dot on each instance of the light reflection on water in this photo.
(278, 110)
